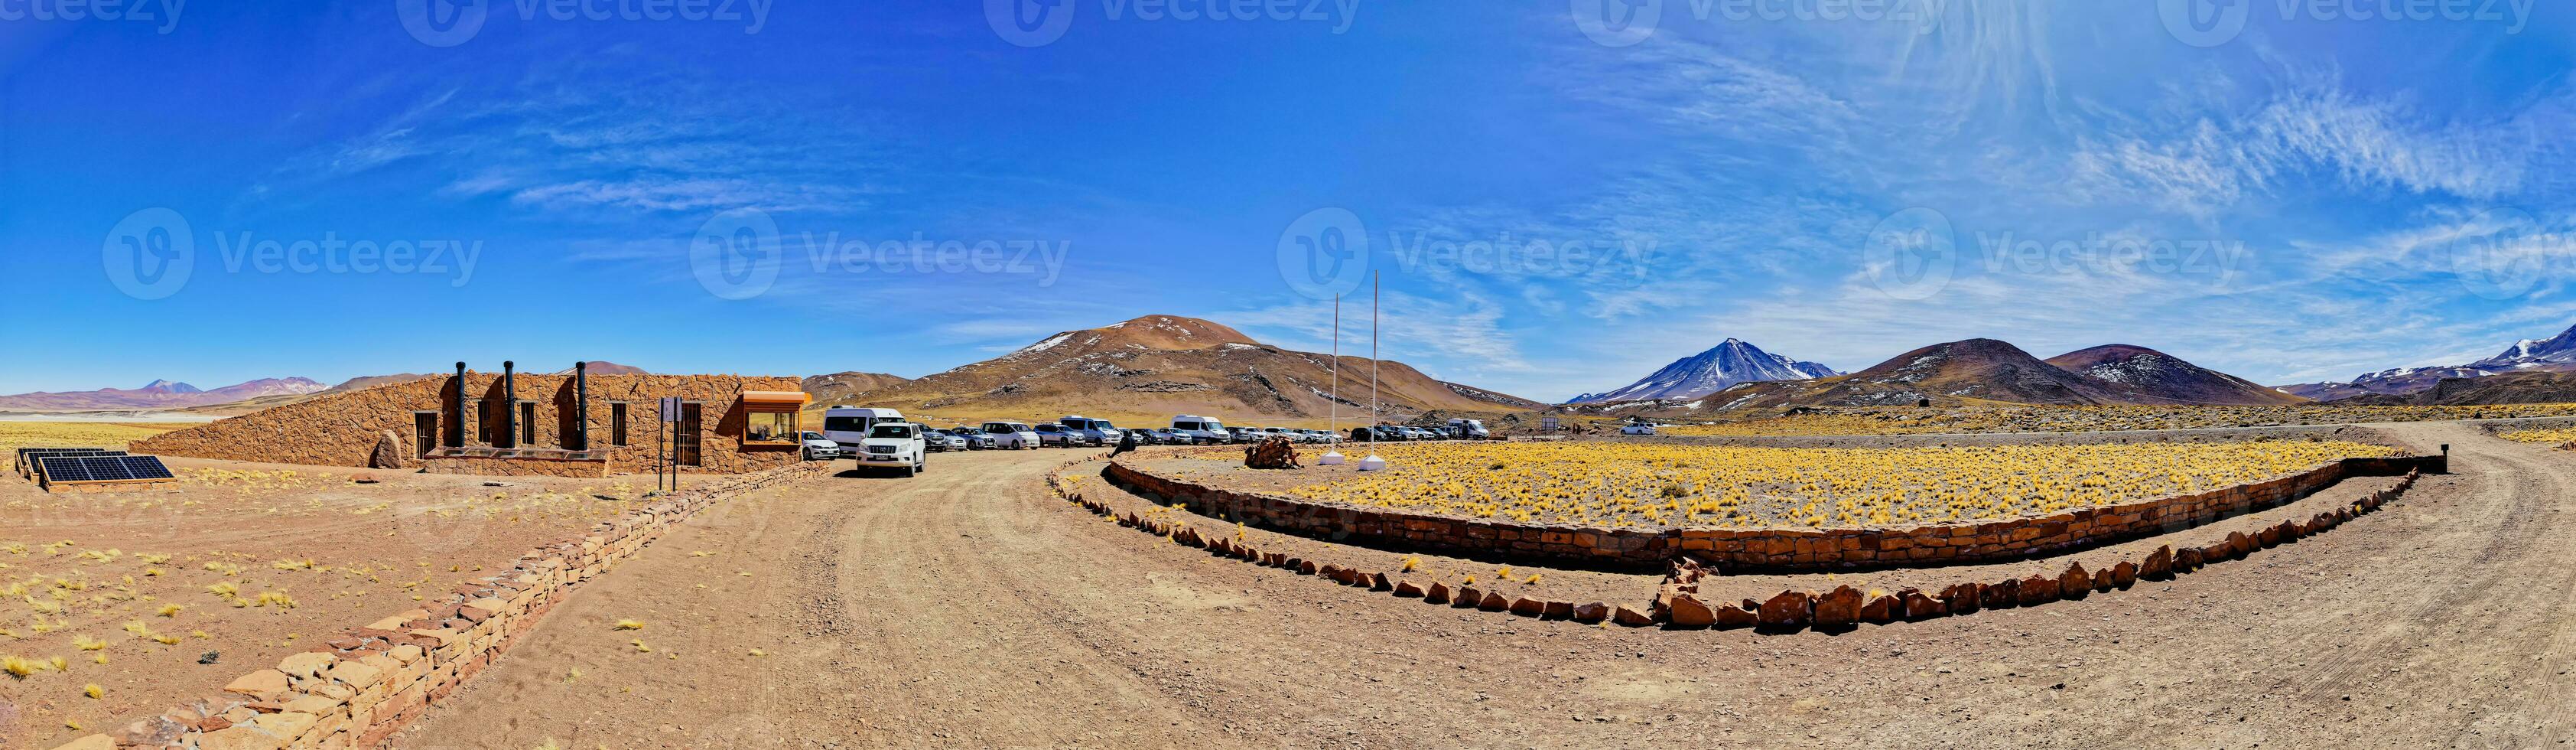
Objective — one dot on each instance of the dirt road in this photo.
(966, 609)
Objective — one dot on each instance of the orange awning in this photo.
(797, 398)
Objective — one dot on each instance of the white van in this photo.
(849, 426)
(1469, 429)
(1201, 430)
(1012, 435)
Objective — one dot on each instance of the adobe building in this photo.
(519, 424)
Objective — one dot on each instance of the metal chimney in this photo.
(581, 405)
(510, 400)
(456, 424)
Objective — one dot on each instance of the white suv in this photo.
(819, 448)
(894, 444)
(1011, 435)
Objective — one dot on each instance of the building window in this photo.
(483, 422)
(617, 424)
(527, 424)
(772, 427)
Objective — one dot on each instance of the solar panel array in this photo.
(100, 468)
(27, 456)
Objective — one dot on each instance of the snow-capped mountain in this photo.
(1731, 363)
(2553, 354)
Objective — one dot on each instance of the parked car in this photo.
(1637, 429)
(819, 448)
(1008, 435)
(1198, 430)
(1246, 435)
(1095, 431)
(895, 444)
(848, 426)
(941, 440)
(1052, 434)
(1469, 429)
(1168, 436)
(974, 437)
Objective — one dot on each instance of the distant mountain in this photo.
(1717, 369)
(2145, 375)
(2553, 354)
(248, 405)
(158, 394)
(1160, 365)
(842, 388)
(2525, 387)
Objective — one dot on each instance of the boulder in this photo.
(1528, 607)
(1631, 617)
(389, 453)
(1920, 607)
(1963, 598)
(1437, 594)
(2159, 564)
(2000, 595)
(1739, 615)
(1839, 608)
(2186, 560)
(2037, 590)
(1494, 602)
(1271, 453)
(1686, 611)
(1557, 610)
(1788, 610)
(1591, 612)
(2074, 583)
(1468, 597)
(1407, 590)
(2124, 574)
(1882, 609)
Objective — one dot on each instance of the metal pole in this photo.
(510, 400)
(581, 405)
(1373, 302)
(1333, 411)
(456, 426)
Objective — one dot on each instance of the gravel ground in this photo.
(968, 608)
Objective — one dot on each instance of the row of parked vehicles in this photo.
(884, 437)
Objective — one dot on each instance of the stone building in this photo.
(516, 423)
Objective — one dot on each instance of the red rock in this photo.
(1788, 610)
(1307, 567)
(1407, 590)
(1744, 615)
(2289, 531)
(2124, 574)
(1686, 611)
(1528, 607)
(2000, 595)
(1882, 609)
(1963, 598)
(2159, 565)
(1378, 582)
(2186, 560)
(1839, 608)
(1557, 610)
(2269, 537)
(1469, 597)
(1591, 612)
(2240, 544)
(2037, 590)
(1494, 602)
(1631, 617)
(1919, 606)
(1437, 594)
(2074, 583)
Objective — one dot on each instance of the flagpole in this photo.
(1373, 462)
(1333, 410)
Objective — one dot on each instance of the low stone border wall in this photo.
(355, 690)
(1677, 604)
(1770, 548)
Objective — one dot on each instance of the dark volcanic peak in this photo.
(1729, 364)
(2144, 375)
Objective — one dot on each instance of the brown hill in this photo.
(1147, 369)
(845, 387)
(2531, 387)
(1975, 369)
(159, 394)
(2148, 376)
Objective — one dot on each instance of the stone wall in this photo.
(343, 429)
(1752, 549)
(354, 690)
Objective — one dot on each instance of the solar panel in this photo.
(27, 456)
(95, 468)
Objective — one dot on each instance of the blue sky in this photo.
(2308, 185)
